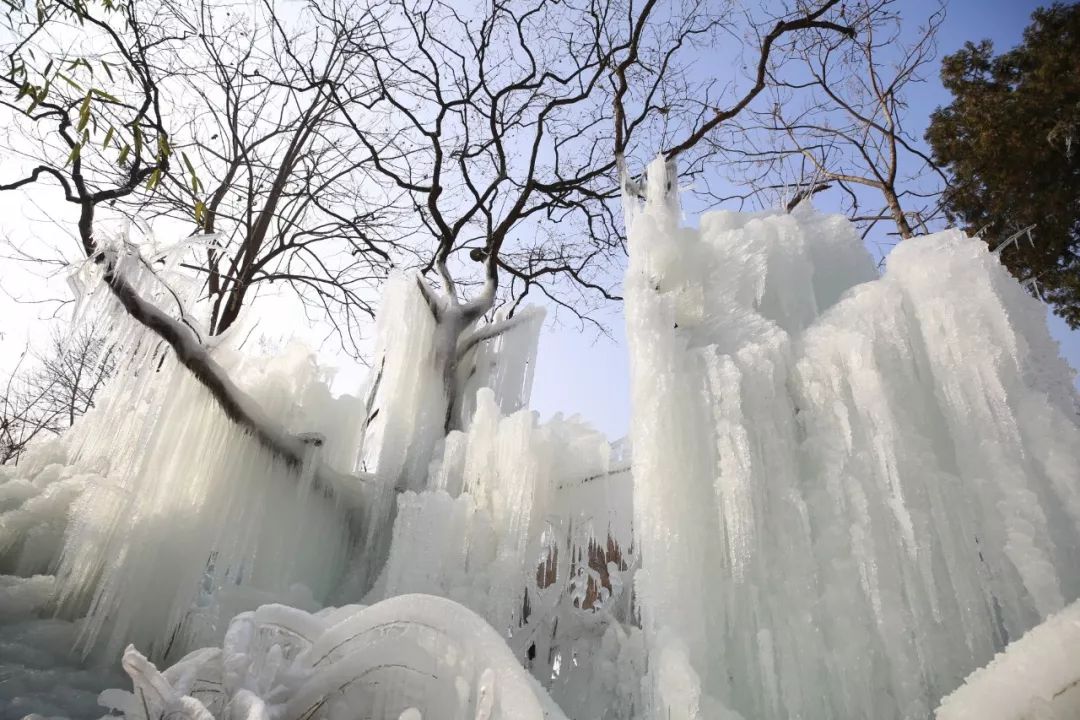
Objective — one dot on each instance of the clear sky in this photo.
(580, 373)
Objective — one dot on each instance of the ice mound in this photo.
(410, 657)
(38, 674)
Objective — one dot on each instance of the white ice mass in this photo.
(845, 494)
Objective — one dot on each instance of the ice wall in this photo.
(848, 492)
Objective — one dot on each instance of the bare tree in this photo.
(496, 126)
(271, 174)
(21, 418)
(71, 371)
(55, 96)
(48, 396)
(840, 124)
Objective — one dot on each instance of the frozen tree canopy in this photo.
(846, 493)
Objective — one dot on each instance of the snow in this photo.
(1037, 676)
(845, 494)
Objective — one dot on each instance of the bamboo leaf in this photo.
(84, 114)
(69, 81)
(39, 96)
(104, 95)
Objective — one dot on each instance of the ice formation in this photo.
(859, 489)
(846, 493)
(411, 656)
(1038, 676)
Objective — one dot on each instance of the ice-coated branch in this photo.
(489, 331)
(805, 193)
(233, 401)
(475, 308)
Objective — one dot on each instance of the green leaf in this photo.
(123, 154)
(104, 95)
(200, 212)
(39, 97)
(84, 114)
(108, 71)
(69, 81)
(155, 177)
(74, 154)
(108, 137)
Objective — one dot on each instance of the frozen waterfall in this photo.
(842, 494)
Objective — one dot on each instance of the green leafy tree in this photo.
(1010, 140)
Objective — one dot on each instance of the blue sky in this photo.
(581, 373)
